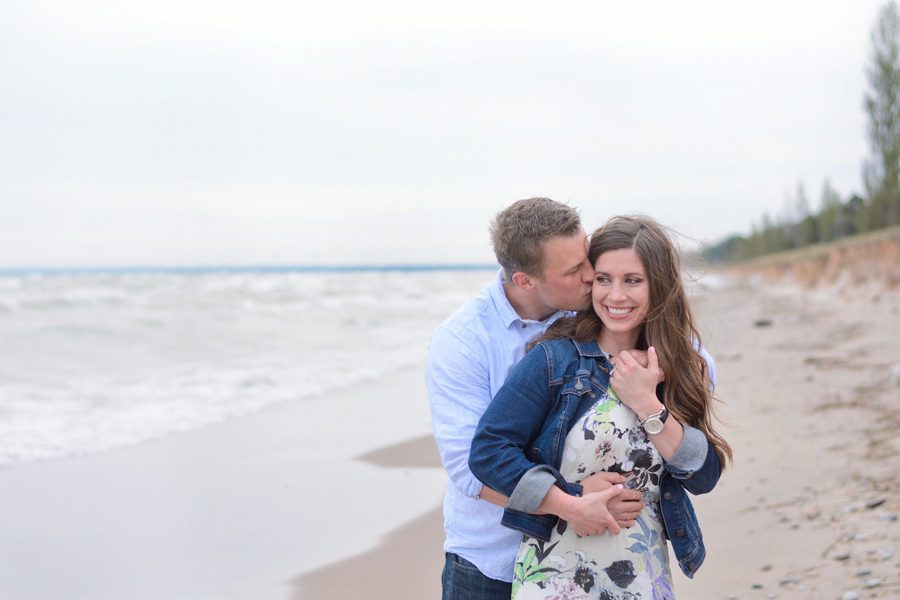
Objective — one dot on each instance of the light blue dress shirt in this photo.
(469, 357)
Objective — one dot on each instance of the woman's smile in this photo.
(615, 312)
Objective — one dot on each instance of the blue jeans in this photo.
(461, 580)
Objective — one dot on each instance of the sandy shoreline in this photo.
(231, 511)
(407, 561)
(810, 508)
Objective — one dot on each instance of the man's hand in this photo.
(625, 507)
(588, 515)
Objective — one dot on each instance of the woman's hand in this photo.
(635, 385)
(588, 514)
(641, 357)
(599, 482)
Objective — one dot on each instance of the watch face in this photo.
(653, 426)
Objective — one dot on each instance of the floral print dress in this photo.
(633, 565)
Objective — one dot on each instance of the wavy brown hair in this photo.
(669, 325)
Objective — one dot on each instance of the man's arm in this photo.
(493, 496)
(459, 390)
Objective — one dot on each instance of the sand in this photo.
(810, 384)
(809, 380)
(340, 497)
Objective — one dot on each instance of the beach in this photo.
(338, 495)
(809, 380)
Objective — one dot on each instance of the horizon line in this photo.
(256, 268)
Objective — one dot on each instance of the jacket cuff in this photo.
(531, 490)
(691, 453)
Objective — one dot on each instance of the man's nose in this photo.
(587, 272)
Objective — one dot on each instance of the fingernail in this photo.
(620, 486)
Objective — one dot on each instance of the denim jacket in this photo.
(518, 445)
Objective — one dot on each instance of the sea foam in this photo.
(97, 361)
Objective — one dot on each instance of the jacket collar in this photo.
(589, 348)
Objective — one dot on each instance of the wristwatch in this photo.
(654, 423)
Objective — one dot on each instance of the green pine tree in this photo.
(881, 171)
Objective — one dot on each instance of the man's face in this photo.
(565, 282)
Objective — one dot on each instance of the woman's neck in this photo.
(613, 343)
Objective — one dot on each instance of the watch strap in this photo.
(660, 416)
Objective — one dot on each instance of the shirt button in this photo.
(667, 495)
(524, 325)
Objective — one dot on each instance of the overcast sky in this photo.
(192, 132)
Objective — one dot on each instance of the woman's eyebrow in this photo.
(631, 274)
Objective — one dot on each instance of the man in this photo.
(542, 250)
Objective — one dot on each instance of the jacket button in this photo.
(667, 495)
(579, 385)
(680, 533)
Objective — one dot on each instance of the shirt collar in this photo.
(506, 311)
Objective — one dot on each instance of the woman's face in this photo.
(621, 292)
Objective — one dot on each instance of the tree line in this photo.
(838, 217)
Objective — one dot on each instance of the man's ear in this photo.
(522, 280)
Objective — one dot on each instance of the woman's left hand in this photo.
(634, 384)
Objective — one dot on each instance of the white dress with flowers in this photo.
(633, 565)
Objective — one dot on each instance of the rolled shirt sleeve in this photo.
(691, 453)
(532, 489)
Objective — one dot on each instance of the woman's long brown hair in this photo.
(669, 325)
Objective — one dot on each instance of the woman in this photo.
(581, 403)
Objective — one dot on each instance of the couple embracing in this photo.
(571, 403)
